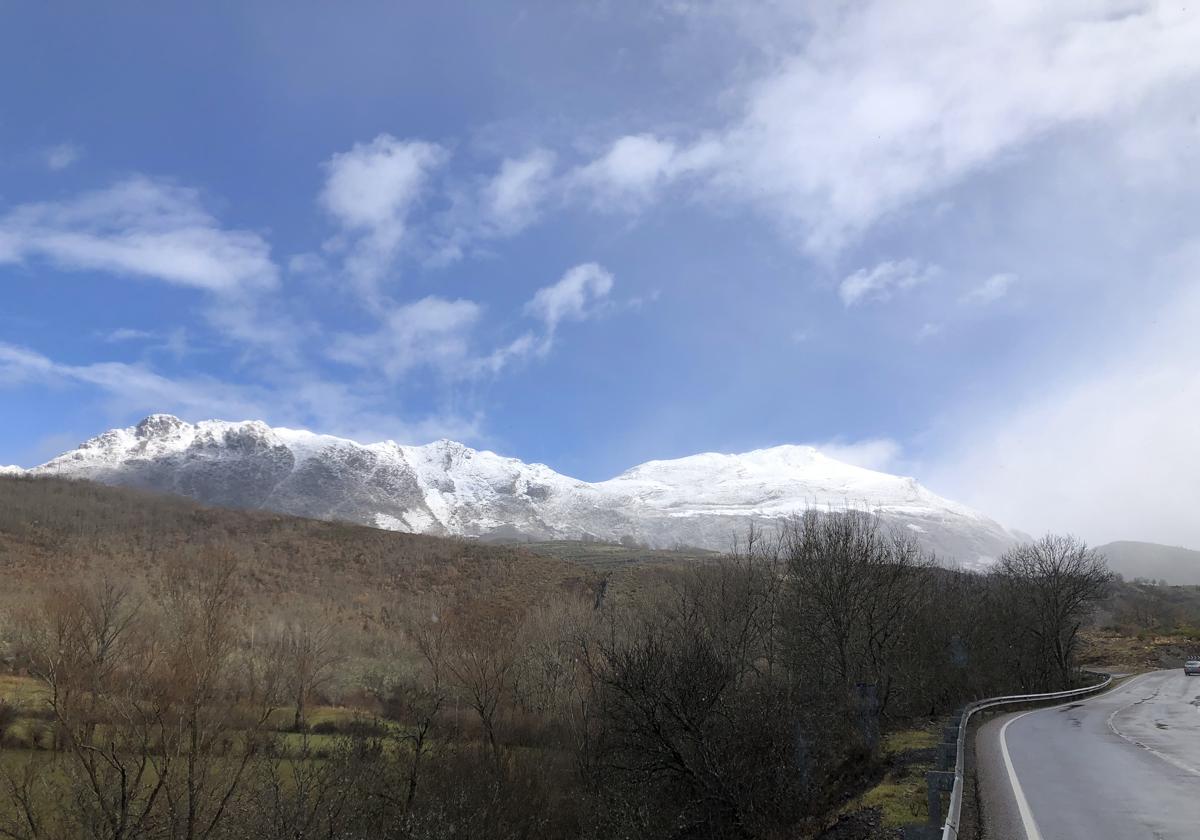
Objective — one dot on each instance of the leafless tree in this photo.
(856, 591)
(212, 703)
(1052, 585)
(308, 652)
(482, 657)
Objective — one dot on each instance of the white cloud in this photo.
(520, 347)
(370, 191)
(859, 111)
(306, 263)
(373, 185)
(431, 332)
(437, 333)
(512, 199)
(341, 408)
(882, 454)
(881, 282)
(990, 290)
(636, 166)
(134, 387)
(128, 334)
(139, 227)
(573, 298)
(147, 228)
(1108, 450)
(173, 341)
(63, 155)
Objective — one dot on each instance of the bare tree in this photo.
(482, 657)
(87, 647)
(856, 591)
(420, 701)
(212, 703)
(1054, 584)
(308, 652)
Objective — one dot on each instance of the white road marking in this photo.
(1031, 828)
(1174, 762)
(1032, 832)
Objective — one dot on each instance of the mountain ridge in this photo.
(1140, 559)
(448, 488)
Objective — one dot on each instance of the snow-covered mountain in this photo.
(447, 488)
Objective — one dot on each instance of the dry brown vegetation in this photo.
(182, 672)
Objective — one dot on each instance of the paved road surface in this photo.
(1121, 766)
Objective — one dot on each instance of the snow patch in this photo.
(390, 523)
(446, 487)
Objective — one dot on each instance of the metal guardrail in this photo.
(954, 810)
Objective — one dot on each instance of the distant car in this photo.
(1192, 667)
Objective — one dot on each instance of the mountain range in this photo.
(446, 488)
(1174, 564)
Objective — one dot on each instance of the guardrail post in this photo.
(937, 782)
(934, 792)
(946, 753)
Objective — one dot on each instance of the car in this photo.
(1192, 667)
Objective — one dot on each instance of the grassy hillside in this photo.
(1175, 565)
(50, 528)
(367, 582)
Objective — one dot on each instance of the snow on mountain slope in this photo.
(772, 482)
(448, 488)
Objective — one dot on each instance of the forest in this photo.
(172, 671)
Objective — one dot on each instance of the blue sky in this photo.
(958, 242)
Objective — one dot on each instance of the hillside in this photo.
(1175, 565)
(446, 488)
(55, 529)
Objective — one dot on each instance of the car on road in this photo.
(1192, 667)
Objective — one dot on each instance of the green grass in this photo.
(900, 802)
(909, 739)
(900, 796)
(21, 690)
(283, 718)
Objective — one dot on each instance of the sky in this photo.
(954, 240)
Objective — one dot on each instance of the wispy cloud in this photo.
(439, 334)
(335, 407)
(930, 329)
(882, 454)
(884, 280)
(139, 227)
(513, 198)
(990, 290)
(122, 334)
(574, 297)
(136, 387)
(151, 229)
(61, 156)
(430, 332)
(636, 167)
(370, 191)
(860, 112)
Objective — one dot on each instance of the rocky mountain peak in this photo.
(447, 487)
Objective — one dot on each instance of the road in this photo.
(1121, 766)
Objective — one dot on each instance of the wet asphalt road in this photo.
(1121, 766)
